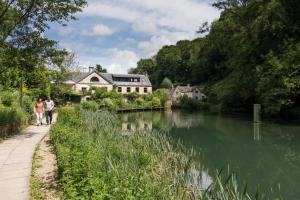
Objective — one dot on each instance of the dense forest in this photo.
(251, 54)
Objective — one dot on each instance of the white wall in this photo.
(132, 89)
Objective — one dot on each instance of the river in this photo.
(265, 156)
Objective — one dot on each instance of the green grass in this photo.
(96, 162)
(36, 184)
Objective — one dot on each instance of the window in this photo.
(128, 90)
(145, 90)
(196, 91)
(94, 79)
(119, 89)
(84, 90)
(137, 89)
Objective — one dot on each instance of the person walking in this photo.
(49, 106)
(39, 110)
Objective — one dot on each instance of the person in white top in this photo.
(49, 106)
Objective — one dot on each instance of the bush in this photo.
(156, 102)
(90, 105)
(9, 98)
(163, 95)
(28, 104)
(166, 83)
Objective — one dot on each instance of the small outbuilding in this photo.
(192, 92)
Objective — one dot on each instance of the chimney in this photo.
(91, 69)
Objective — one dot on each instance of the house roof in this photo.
(185, 89)
(78, 76)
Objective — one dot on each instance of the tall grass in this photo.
(96, 162)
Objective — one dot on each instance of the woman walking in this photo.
(39, 110)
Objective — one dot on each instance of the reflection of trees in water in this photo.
(265, 154)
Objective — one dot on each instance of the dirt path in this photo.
(44, 181)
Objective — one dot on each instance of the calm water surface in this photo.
(266, 155)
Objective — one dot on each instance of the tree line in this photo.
(251, 54)
(28, 59)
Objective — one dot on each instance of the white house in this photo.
(191, 92)
(122, 83)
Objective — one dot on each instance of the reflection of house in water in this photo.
(140, 125)
(179, 120)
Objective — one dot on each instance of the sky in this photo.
(118, 33)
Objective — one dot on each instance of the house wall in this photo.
(87, 84)
(87, 80)
(196, 94)
(132, 89)
(79, 87)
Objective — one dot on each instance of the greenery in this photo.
(95, 161)
(192, 104)
(115, 101)
(36, 184)
(166, 83)
(29, 61)
(250, 55)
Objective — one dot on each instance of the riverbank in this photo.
(97, 161)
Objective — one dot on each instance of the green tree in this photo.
(166, 83)
(99, 68)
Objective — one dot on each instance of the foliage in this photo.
(166, 83)
(114, 100)
(99, 68)
(192, 104)
(95, 161)
(163, 95)
(90, 105)
(250, 55)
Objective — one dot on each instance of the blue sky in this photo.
(117, 33)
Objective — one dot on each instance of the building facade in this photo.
(189, 91)
(122, 83)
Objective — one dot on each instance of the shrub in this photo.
(8, 98)
(28, 104)
(156, 102)
(163, 95)
(90, 105)
(166, 83)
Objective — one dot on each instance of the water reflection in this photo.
(264, 155)
(200, 180)
(256, 127)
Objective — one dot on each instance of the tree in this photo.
(24, 49)
(99, 68)
(249, 56)
(166, 83)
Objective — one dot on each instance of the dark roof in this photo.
(78, 76)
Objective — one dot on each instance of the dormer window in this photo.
(95, 79)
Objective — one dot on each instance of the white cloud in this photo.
(150, 16)
(99, 30)
(143, 28)
(151, 47)
(122, 60)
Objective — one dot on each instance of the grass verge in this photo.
(43, 181)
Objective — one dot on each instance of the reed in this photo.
(96, 161)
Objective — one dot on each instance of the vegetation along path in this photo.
(15, 162)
